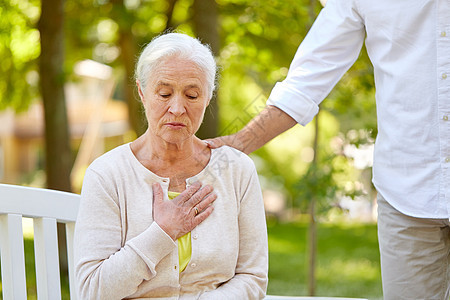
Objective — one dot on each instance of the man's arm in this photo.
(327, 52)
(268, 124)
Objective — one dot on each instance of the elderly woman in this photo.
(164, 216)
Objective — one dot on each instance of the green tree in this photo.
(19, 52)
(57, 140)
(51, 61)
(128, 51)
(260, 44)
(206, 26)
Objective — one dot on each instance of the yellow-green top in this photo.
(184, 243)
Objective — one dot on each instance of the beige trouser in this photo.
(415, 255)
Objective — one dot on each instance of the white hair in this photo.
(179, 45)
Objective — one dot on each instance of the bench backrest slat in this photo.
(12, 257)
(46, 208)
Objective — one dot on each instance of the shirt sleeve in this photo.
(250, 279)
(102, 262)
(329, 49)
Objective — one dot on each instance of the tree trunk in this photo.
(128, 53)
(205, 21)
(169, 15)
(135, 110)
(312, 248)
(312, 228)
(57, 139)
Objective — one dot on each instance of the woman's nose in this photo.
(177, 107)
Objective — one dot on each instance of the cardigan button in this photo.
(193, 265)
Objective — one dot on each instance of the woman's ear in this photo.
(141, 94)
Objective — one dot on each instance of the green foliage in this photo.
(258, 42)
(19, 50)
(260, 38)
(326, 182)
(317, 183)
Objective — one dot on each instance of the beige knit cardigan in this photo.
(120, 253)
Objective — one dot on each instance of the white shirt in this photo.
(408, 42)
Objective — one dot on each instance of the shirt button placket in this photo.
(445, 116)
(445, 119)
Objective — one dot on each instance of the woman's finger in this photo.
(158, 195)
(202, 216)
(199, 196)
(199, 207)
(187, 194)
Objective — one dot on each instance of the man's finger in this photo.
(214, 143)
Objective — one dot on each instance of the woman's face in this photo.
(175, 99)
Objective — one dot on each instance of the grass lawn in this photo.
(347, 265)
(348, 262)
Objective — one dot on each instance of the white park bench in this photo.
(271, 297)
(46, 208)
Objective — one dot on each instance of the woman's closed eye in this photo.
(191, 95)
(165, 95)
(164, 91)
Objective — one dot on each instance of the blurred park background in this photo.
(67, 95)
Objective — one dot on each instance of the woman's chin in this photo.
(176, 138)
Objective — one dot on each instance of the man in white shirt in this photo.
(408, 42)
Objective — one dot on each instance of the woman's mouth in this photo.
(175, 125)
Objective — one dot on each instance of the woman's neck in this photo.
(175, 161)
(155, 148)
